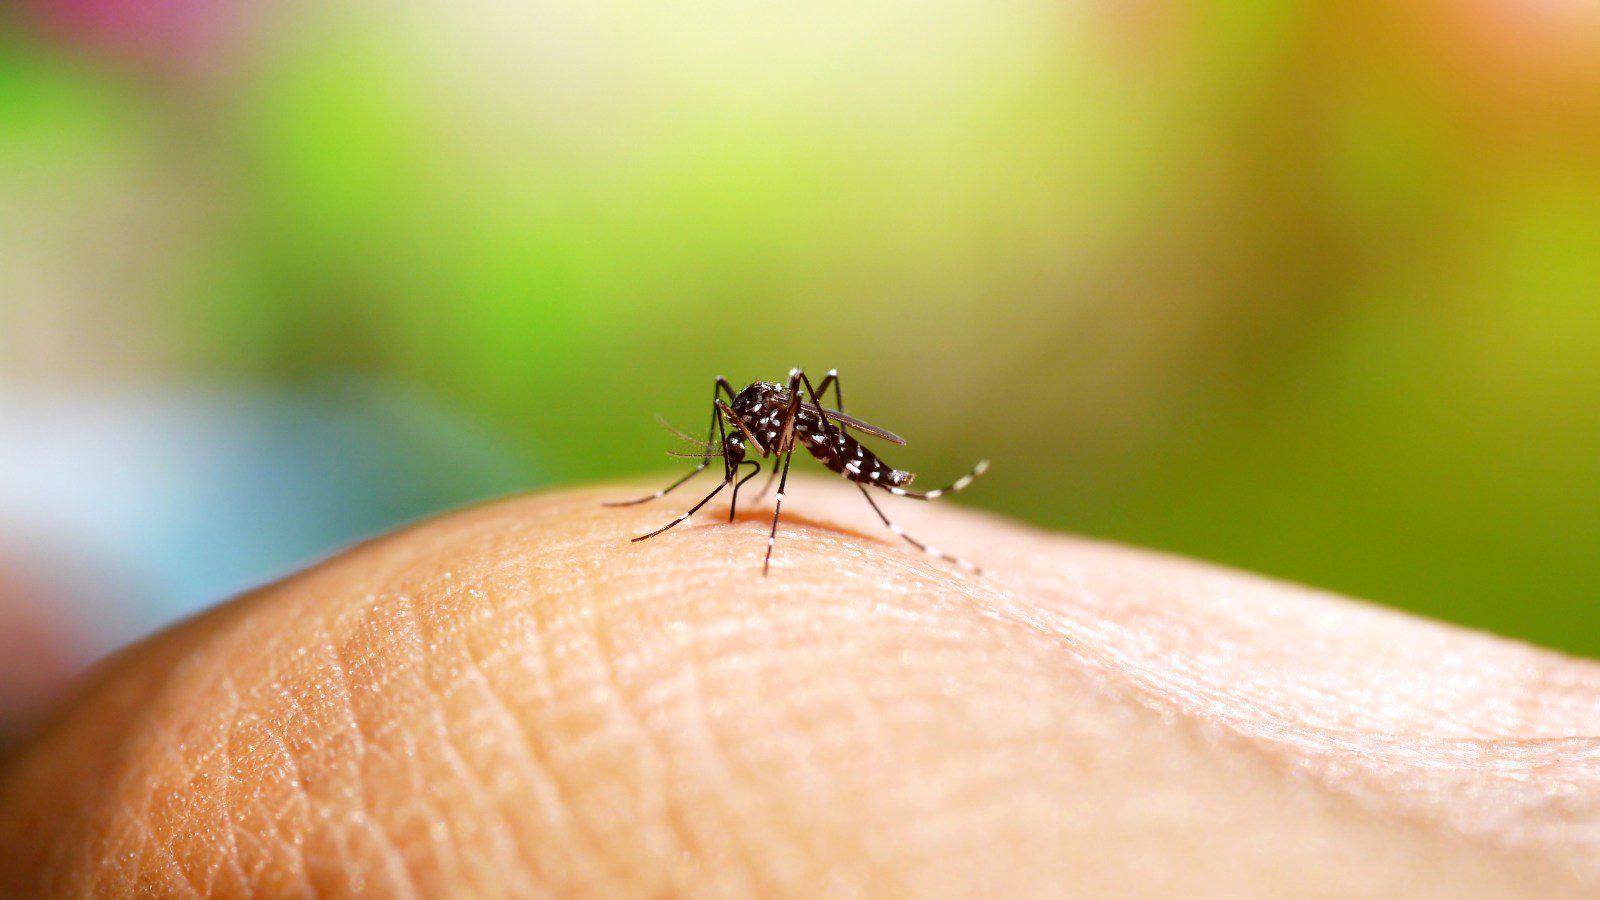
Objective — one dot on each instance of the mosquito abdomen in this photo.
(848, 457)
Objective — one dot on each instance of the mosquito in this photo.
(772, 420)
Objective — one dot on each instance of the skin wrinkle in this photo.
(230, 837)
(572, 624)
(433, 677)
(295, 798)
(802, 702)
(422, 806)
(301, 779)
(394, 860)
(755, 758)
(881, 781)
(399, 628)
(714, 764)
(709, 656)
(170, 748)
(827, 707)
(703, 744)
(655, 781)
(260, 824)
(690, 579)
(553, 805)
(178, 878)
(908, 838)
(421, 648)
(545, 677)
(434, 819)
(331, 674)
(533, 767)
(648, 786)
(394, 631)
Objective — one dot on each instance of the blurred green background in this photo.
(1306, 288)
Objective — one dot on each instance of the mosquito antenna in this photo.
(717, 454)
(686, 438)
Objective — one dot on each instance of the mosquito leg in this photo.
(832, 378)
(705, 460)
(740, 483)
(692, 510)
(776, 509)
(796, 379)
(931, 551)
(785, 445)
(817, 393)
(958, 484)
(786, 437)
(664, 491)
(788, 423)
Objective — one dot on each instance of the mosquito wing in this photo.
(853, 422)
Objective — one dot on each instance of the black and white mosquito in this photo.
(772, 420)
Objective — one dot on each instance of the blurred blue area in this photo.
(147, 505)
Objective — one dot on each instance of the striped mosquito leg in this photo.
(931, 551)
(692, 511)
(664, 491)
(958, 484)
(777, 507)
(832, 378)
(838, 393)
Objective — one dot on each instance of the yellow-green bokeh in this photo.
(1307, 288)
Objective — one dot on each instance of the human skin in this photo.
(515, 699)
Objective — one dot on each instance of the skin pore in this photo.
(515, 699)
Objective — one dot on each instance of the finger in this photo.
(514, 698)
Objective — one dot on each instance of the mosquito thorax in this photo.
(760, 397)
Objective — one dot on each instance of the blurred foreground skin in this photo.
(514, 699)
